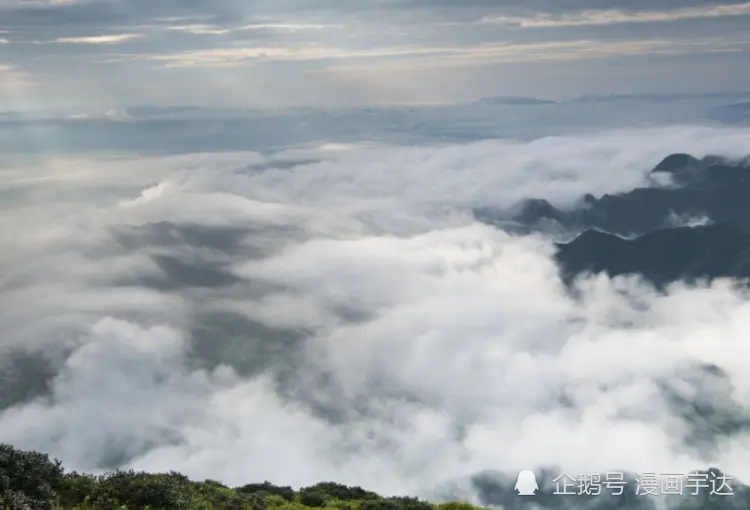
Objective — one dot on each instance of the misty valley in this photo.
(180, 336)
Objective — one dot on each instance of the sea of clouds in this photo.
(336, 313)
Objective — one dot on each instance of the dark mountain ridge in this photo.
(686, 190)
(712, 187)
(663, 256)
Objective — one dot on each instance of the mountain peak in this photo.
(534, 210)
(675, 163)
(683, 168)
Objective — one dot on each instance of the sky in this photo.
(96, 55)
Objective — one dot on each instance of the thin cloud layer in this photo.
(98, 39)
(504, 46)
(614, 16)
(244, 317)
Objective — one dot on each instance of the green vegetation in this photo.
(32, 481)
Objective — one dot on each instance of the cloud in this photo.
(98, 39)
(14, 79)
(489, 54)
(32, 4)
(290, 27)
(551, 7)
(615, 16)
(360, 325)
(242, 56)
(296, 37)
(419, 58)
(199, 29)
(113, 115)
(207, 29)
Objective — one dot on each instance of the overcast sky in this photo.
(323, 53)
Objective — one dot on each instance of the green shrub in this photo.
(409, 503)
(268, 488)
(76, 488)
(14, 500)
(313, 498)
(340, 491)
(211, 494)
(31, 481)
(455, 505)
(380, 504)
(274, 500)
(138, 490)
(32, 474)
(291, 506)
(214, 483)
(341, 505)
(257, 502)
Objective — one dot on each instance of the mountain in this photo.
(712, 187)
(663, 256)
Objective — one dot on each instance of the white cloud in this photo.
(98, 39)
(289, 27)
(419, 58)
(233, 57)
(207, 29)
(112, 114)
(9, 4)
(616, 16)
(505, 53)
(200, 29)
(471, 323)
(13, 80)
(677, 220)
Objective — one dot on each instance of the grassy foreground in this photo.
(33, 481)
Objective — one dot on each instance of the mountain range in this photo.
(648, 231)
(663, 256)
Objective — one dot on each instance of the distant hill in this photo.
(513, 100)
(732, 113)
(606, 98)
(663, 256)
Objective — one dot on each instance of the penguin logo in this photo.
(526, 484)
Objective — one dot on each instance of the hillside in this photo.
(32, 481)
